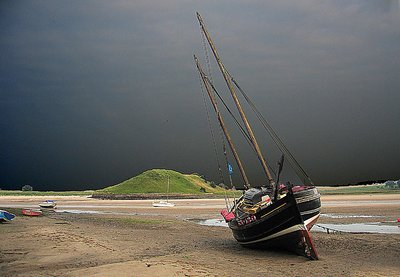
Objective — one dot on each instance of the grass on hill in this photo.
(156, 181)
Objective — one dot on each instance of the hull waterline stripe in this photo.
(310, 220)
(298, 227)
(311, 211)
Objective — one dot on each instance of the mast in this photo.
(167, 188)
(236, 100)
(221, 122)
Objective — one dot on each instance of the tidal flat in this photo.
(132, 238)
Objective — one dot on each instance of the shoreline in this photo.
(330, 197)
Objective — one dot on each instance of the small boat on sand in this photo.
(31, 212)
(6, 216)
(48, 204)
(163, 203)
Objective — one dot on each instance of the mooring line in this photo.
(328, 229)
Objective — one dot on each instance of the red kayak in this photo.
(31, 212)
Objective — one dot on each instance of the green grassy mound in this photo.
(156, 181)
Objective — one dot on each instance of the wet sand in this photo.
(131, 238)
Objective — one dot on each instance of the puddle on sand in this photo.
(349, 216)
(210, 222)
(373, 228)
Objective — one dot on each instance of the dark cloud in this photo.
(94, 92)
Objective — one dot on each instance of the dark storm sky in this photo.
(95, 92)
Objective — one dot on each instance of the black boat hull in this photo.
(279, 225)
(309, 204)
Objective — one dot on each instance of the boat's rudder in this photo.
(309, 249)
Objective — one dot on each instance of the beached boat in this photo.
(272, 215)
(48, 204)
(164, 203)
(6, 216)
(32, 212)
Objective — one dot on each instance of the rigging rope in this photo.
(206, 56)
(241, 128)
(208, 116)
(328, 230)
(221, 175)
(220, 129)
(281, 146)
(210, 79)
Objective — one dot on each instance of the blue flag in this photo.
(230, 169)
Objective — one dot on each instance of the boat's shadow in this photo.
(230, 245)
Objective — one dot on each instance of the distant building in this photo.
(392, 184)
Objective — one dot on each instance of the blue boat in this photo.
(6, 216)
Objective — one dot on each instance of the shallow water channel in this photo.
(370, 227)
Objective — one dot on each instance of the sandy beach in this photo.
(91, 237)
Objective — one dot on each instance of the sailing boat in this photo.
(272, 215)
(163, 203)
